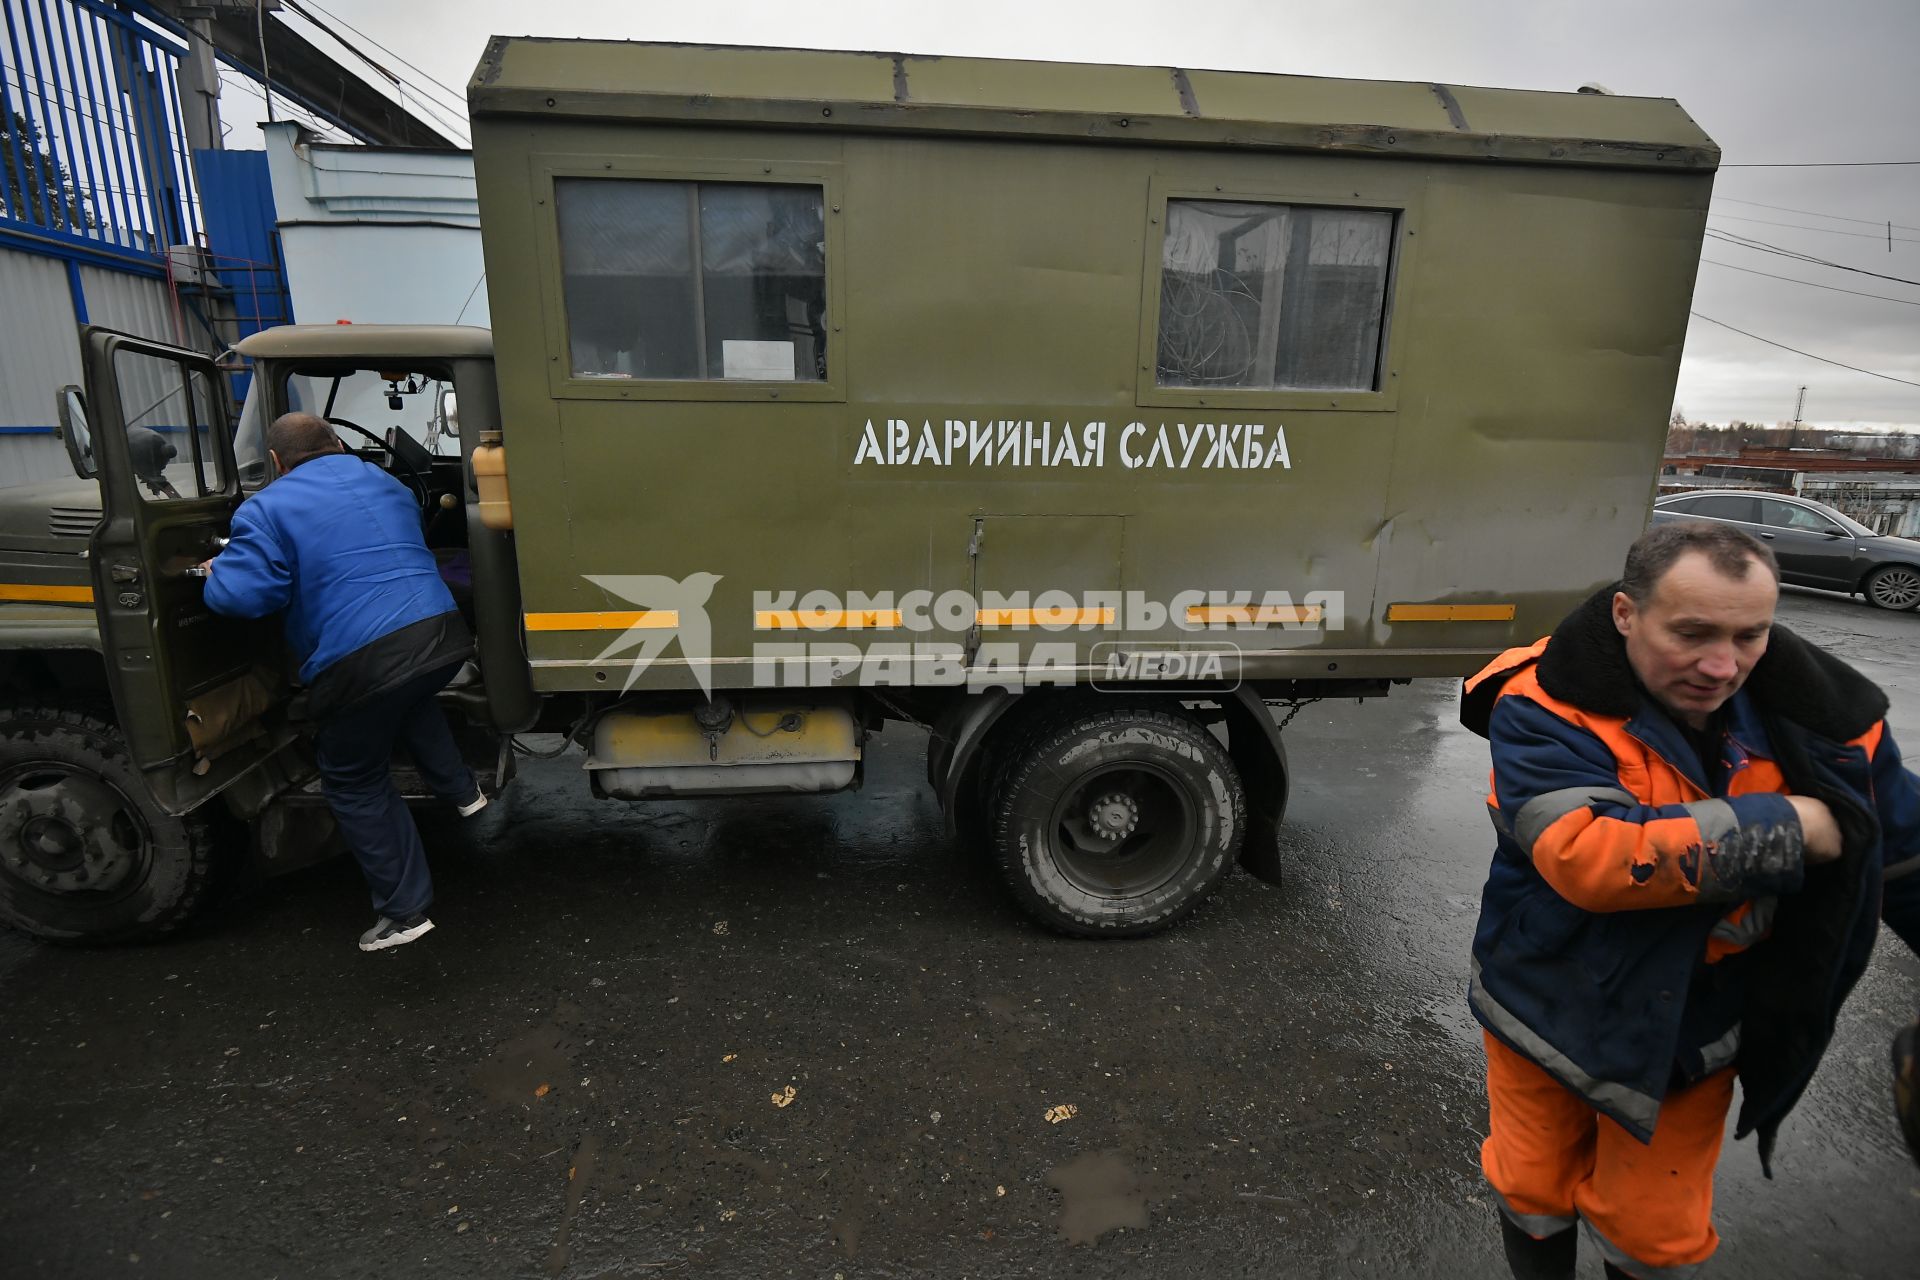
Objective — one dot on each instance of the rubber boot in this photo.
(1530, 1259)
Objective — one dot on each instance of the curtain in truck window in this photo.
(1272, 296)
(694, 280)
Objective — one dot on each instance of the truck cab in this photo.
(145, 740)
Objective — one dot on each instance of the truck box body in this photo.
(1055, 345)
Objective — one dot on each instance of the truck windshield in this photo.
(362, 397)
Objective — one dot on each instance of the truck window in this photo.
(693, 280)
(1272, 296)
(171, 413)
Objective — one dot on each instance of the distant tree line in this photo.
(1685, 437)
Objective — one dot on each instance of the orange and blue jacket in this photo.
(1631, 880)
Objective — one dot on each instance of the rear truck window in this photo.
(700, 281)
(1273, 296)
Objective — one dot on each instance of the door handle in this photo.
(1766, 535)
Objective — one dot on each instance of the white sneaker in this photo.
(473, 806)
(394, 933)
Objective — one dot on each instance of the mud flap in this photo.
(1253, 743)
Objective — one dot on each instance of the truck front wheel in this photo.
(85, 853)
(1116, 822)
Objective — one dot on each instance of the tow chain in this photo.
(1297, 708)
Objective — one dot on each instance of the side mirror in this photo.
(74, 433)
(1833, 533)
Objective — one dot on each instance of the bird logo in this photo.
(668, 607)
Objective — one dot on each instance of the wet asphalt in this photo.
(811, 1037)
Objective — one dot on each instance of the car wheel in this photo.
(85, 853)
(1894, 586)
(1116, 822)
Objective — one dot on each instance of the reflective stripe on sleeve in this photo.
(1751, 927)
(1541, 812)
(1716, 818)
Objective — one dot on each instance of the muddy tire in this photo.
(1115, 822)
(1894, 586)
(85, 853)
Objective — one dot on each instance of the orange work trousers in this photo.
(1552, 1158)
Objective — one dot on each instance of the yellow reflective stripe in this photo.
(1044, 617)
(648, 619)
(1254, 615)
(825, 619)
(45, 595)
(1450, 613)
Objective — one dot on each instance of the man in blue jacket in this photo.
(335, 542)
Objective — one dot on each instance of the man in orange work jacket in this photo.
(1701, 819)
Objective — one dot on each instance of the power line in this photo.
(1825, 231)
(455, 96)
(1761, 246)
(1808, 354)
(434, 113)
(294, 111)
(1815, 213)
(1911, 302)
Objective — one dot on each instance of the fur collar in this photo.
(1586, 664)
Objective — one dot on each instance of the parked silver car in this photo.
(1816, 545)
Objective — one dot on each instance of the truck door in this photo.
(187, 684)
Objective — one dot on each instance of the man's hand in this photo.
(1820, 834)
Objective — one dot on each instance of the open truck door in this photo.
(189, 686)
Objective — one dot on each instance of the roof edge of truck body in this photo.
(830, 90)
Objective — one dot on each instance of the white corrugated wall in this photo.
(39, 351)
(40, 348)
(139, 305)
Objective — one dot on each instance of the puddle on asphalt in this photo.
(516, 1072)
(1099, 1192)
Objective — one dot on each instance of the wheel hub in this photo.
(66, 833)
(1114, 816)
(1898, 588)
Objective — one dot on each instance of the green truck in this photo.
(1079, 414)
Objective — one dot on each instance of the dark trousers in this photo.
(355, 753)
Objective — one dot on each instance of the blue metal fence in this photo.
(93, 149)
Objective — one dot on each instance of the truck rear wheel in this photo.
(85, 853)
(1116, 822)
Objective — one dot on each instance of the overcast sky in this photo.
(1769, 80)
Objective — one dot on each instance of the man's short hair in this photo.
(1731, 552)
(296, 437)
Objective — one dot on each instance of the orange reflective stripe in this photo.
(1592, 861)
